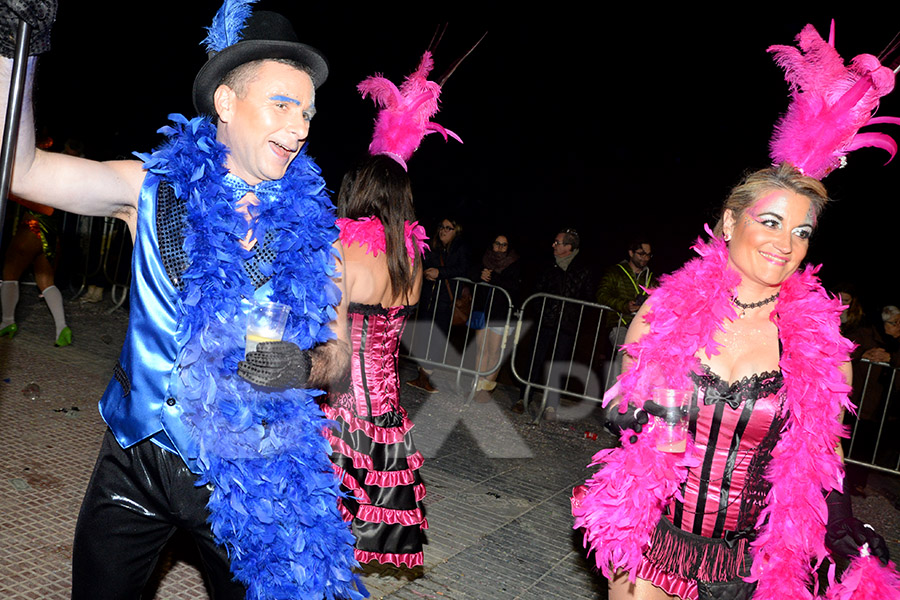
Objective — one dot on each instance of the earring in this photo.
(727, 237)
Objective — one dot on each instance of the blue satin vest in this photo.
(136, 405)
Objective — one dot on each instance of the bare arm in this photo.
(67, 182)
(636, 331)
(331, 359)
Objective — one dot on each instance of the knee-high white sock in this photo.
(53, 298)
(9, 298)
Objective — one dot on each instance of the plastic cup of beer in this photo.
(673, 437)
(265, 323)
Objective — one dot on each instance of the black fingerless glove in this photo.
(633, 418)
(276, 365)
(845, 534)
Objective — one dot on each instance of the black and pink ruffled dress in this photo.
(372, 450)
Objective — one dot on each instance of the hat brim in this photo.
(210, 76)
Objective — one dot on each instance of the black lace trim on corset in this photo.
(757, 486)
(758, 385)
(376, 309)
(170, 221)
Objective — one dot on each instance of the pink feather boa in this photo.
(625, 498)
(370, 231)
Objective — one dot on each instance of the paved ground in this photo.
(498, 486)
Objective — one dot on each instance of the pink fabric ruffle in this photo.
(379, 478)
(381, 435)
(395, 478)
(411, 560)
(351, 484)
(369, 231)
(668, 582)
(379, 514)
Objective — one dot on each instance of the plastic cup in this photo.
(673, 437)
(265, 323)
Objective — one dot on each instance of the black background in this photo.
(613, 121)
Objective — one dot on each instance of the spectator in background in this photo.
(499, 266)
(891, 318)
(857, 328)
(568, 276)
(622, 289)
(35, 243)
(446, 259)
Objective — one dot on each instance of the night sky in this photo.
(615, 122)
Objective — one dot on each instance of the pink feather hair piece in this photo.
(830, 102)
(405, 115)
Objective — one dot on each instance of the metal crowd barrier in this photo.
(873, 441)
(461, 350)
(458, 348)
(105, 244)
(584, 372)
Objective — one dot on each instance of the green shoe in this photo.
(9, 330)
(65, 338)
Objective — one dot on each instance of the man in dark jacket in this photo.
(570, 277)
(623, 288)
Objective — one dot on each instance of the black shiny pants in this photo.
(134, 503)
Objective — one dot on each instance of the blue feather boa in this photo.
(274, 500)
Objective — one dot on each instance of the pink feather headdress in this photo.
(405, 115)
(829, 103)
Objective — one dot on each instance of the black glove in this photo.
(633, 418)
(276, 365)
(40, 14)
(845, 534)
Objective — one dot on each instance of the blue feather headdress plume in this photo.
(227, 25)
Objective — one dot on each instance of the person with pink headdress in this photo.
(381, 247)
(752, 500)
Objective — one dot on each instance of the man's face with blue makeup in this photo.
(265, 127)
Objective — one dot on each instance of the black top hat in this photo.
(265, 35)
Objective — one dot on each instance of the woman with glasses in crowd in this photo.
(446, 259)
(499, 266)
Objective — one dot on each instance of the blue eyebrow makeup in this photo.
(285, 99)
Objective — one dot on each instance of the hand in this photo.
(845, 534)
(877, 355)
(633, 418)
(431, 274)
(276, 365)
(485, 274)
(40, 14)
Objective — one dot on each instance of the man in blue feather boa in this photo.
(226, 212)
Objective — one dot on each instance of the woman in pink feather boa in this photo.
(754, 503)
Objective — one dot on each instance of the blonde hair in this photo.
(782, 177)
